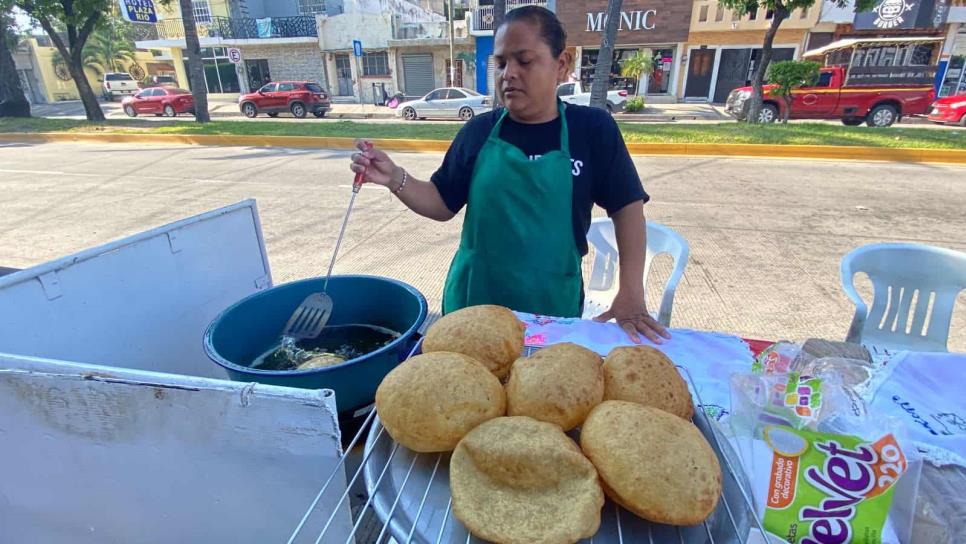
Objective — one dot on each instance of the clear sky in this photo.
(23, 21)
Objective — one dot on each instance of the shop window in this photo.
(719, 13)
(770, 14)
(921, 54)
(202, 11)
(703, 14)
(753, 15)
(375, 64)
(735, 16)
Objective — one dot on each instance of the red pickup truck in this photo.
(832, 98)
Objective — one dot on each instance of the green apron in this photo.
(517, 248)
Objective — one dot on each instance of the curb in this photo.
(856, 153)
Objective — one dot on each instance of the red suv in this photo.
(298, 97)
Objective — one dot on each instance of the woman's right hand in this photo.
(378, 167)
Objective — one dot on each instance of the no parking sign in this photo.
(234, 55)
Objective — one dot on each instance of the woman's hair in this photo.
(551, 31)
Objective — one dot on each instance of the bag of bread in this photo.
(823, 470)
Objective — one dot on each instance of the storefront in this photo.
(724, 47)
(653, 27)
(265, 62)
(659, 83)
(925, 19)
(954, 78)
(220, 75)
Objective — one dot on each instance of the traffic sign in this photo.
(234, 55)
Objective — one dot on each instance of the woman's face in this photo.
(527, 73)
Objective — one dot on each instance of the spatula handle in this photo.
(360, 176)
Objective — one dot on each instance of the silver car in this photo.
(448, 102)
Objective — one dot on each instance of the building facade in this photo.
(277, 40)
(45, 79)
(656, 27)
(404, 46)
(723, 47)
(943, 20)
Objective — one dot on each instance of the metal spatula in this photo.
(310, 317)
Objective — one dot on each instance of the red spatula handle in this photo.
(360, 176)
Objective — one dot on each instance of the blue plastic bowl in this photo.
(249, 327)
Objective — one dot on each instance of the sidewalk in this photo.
(227, 106)
(663, 113)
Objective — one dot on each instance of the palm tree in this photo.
(110, 46)
(639, 67)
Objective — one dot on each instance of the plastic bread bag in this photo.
(822, 469)
(854, 374)
(776, 358)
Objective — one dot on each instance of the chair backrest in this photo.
(914, 292)
(660, 239)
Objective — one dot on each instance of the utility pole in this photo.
(452, 60)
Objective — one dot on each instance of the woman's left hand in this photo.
(630, 311)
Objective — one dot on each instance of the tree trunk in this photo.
(13, 103)
(499, 12)
(91, 107)
(605, 58)
(788, 109)
(196, 71)
(73, 53)
(757, 80)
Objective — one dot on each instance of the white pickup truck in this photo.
(573, 93)
(118, 83)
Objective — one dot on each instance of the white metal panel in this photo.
(141, 302)
(96, 454)
(490, 74)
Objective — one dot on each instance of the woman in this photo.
(529, 175)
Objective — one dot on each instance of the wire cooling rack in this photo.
(402, 497)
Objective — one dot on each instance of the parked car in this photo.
(164, 81)
(574, 93)
(167, 101)
(455, 102)
(950, 110)
(297, 97)
(831, 98)
(118, 83)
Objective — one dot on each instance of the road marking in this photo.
(143, 177)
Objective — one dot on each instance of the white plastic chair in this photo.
(602, 286)
(900, 273)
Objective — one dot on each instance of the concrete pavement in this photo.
(766, 235)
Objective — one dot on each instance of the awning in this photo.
(852, 42)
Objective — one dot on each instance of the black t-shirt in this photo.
(603, 172)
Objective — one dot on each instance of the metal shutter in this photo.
(418, 74)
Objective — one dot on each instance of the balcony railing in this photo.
(429, 30)
(483, 15)
(239, 28)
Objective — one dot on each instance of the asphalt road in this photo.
(766, 236)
